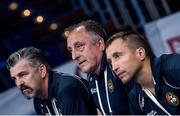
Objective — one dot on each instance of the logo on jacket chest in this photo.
(93, 90)
(152, 113)
(110, 86)
(172, 99)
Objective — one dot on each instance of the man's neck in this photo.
(98, 69)
(145, 77)
(44, 88)
(99, 65)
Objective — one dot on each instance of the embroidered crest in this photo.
(172, 99)
(110, 86)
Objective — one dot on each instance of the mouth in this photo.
(121, 74)
(81, 62)
(25, 89)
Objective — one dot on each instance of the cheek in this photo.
(134, 66)
(27, 79)
(35, 77)
(90, 54)
(124, 61)
(36, 81)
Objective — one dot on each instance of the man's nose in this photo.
(114, 67)
(75, 55)
(19, 82)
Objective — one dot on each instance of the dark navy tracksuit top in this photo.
(118, 98)
(67, 95)
(166, 72)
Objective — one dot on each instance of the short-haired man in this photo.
(85, 42)
(53, 93)
(157, 82)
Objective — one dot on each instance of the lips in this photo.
(25, 89)
(121, 74)
(80, 63)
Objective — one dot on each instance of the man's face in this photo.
(85, 52)
(27, 78)
(125, 62)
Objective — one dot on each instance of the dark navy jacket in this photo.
(166, 72)
(117, 95)
(67, 95)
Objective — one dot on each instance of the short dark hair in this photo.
(91, 26)
(133, 39)
(33, 55)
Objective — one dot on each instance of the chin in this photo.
(29, 95)
(124, 81)
(85, 70)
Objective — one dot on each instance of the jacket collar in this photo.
(51, 84)
(156, 70)
(103, 62)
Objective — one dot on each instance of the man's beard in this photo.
(29, 95)
(28, 92)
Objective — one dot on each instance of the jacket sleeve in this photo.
(171, 69)
(72, 101)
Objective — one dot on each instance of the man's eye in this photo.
(79, 46)
(13, 78)
(69, 50)
(23, 74)
(117, 55)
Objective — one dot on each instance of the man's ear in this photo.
(43, 70)
(101, 44)
(141, 53)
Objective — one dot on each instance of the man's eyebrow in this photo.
(21, 73)
(117, 53)
(77, 43)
